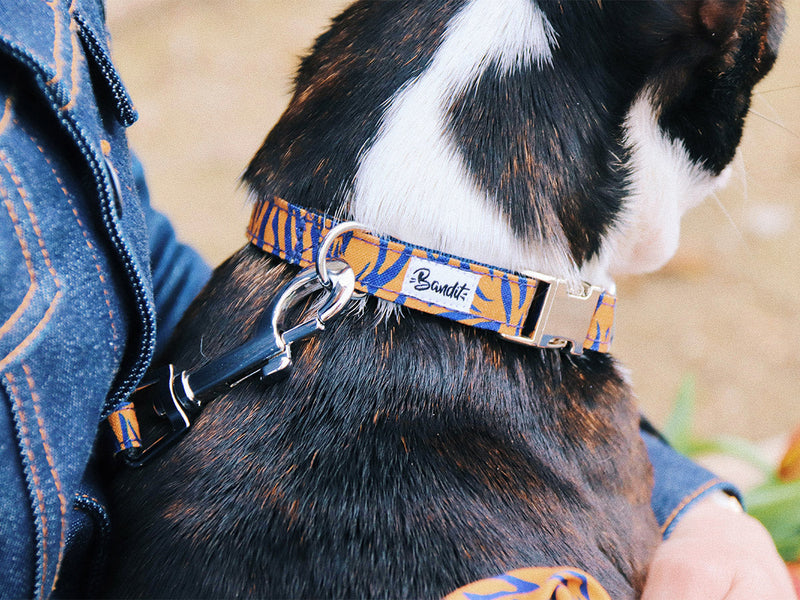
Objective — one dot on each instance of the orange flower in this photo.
(794, 574)
(789, 469)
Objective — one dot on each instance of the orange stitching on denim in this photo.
(53, 471)
(85, 232)
(57, 26)
(688, 500)
(74, 75)
(31, 213)
(26, 301)
(6, 114)
(88, 497)
(34, 474)
(48, 314)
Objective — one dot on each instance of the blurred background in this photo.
(210, 77)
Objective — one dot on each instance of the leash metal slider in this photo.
(564, 316)
(168, 401)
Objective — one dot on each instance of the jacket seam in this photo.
(34, 486)
(4, 120)
(122, 102)
(62, 500)
(34, 334)
(143, 307)
(26, 253)
(89, 245)
(73, 72)
(57, 58)
(687, 501)
(32, 214)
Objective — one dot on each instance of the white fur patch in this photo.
(665, 184)
(413, 184)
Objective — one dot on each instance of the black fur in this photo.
(408, 457)
(370, 51)
(398, 460)
(708, 112)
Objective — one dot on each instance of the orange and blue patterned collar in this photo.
(529, 308)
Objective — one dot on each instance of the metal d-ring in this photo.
(325, 246)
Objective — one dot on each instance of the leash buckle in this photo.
(563, 318)
(167, 401)
(164, 407)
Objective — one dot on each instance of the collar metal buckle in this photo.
(564, 317)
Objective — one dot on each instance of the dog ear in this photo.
(682, 34)
(718, 19)
(691, 28)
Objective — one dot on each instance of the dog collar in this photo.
(528, 308)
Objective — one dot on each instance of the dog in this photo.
(406, 454)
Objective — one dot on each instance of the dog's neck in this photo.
(413, 181)
(503, 131)
(444, 137)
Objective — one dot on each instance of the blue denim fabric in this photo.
(77, 305)
(79, 295)
(679, 482)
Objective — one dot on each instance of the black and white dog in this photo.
(407, 455)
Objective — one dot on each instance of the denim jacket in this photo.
(92, 279)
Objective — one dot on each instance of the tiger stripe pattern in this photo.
(499, 301)
(534, 583)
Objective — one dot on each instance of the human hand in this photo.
(716, 553)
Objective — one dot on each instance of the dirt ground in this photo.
(210, 78)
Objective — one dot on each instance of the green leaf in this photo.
(735, 447)
(777, 505)
(678, 428)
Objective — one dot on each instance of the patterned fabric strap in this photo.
(535, 583)
(124, 428)
(433, 282)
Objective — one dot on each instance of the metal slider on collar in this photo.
(558, 317)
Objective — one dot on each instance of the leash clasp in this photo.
(168, 401)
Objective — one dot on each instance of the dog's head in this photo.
(686, 122)
(566, 137)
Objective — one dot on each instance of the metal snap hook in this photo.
(341, 285)
(178, 397)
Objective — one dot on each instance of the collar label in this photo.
(440, 284)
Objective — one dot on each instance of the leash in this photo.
(340, 259)
(167, 402)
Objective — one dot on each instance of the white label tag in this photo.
(440, 284)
